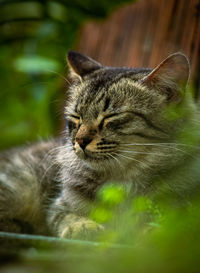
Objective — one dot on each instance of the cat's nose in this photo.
(83, 142)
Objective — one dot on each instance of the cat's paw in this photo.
(84, 229)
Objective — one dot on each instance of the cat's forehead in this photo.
(109, 89)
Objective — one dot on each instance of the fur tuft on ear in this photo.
(80, 64)
(170, 76)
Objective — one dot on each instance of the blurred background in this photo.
(36, 35)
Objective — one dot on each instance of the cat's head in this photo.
(116, 115)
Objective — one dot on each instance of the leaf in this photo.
(36, 65)
(112, 194)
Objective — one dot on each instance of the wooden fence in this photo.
(143, 33)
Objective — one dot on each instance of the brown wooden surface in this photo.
(143, 33)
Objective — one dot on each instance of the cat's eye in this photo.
(74, 116)
(105, 120)
(73, 121)
(114, 123)
(117, 123)
(71, 125)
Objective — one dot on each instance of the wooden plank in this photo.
(143, 33)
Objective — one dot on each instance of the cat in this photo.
(119, 129)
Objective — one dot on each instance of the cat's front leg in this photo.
(74, 226)
(66, 219)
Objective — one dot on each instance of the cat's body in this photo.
(117, 131)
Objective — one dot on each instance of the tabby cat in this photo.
(125, 125)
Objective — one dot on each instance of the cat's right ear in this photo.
(81, 65)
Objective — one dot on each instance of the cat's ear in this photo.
(80, 64)
(170, 76)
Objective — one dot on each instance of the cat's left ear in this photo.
(170, 76)
(80, 64)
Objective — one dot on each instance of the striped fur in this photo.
(117, 129)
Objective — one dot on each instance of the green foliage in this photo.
(108, 198)
(35, 37)
(111, 194)
(171, 243)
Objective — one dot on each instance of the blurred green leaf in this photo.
(111, 194)
(101, 215)
(141, 204)
(36, 65)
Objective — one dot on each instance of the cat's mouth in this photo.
(91, 156)
(103, 151)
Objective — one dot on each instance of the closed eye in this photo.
(110, 119)
(73, 116)
(73, 121)
(117, 123)
(71, 125)
(125, 119)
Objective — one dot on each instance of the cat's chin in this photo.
(92, 159)
(93, 162)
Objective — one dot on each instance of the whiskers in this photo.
(150, 153)
(142, 163)
(143, 153)
(119, 157)
(170, 146)
(115, 158)
(50, 158)
(61, 76)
